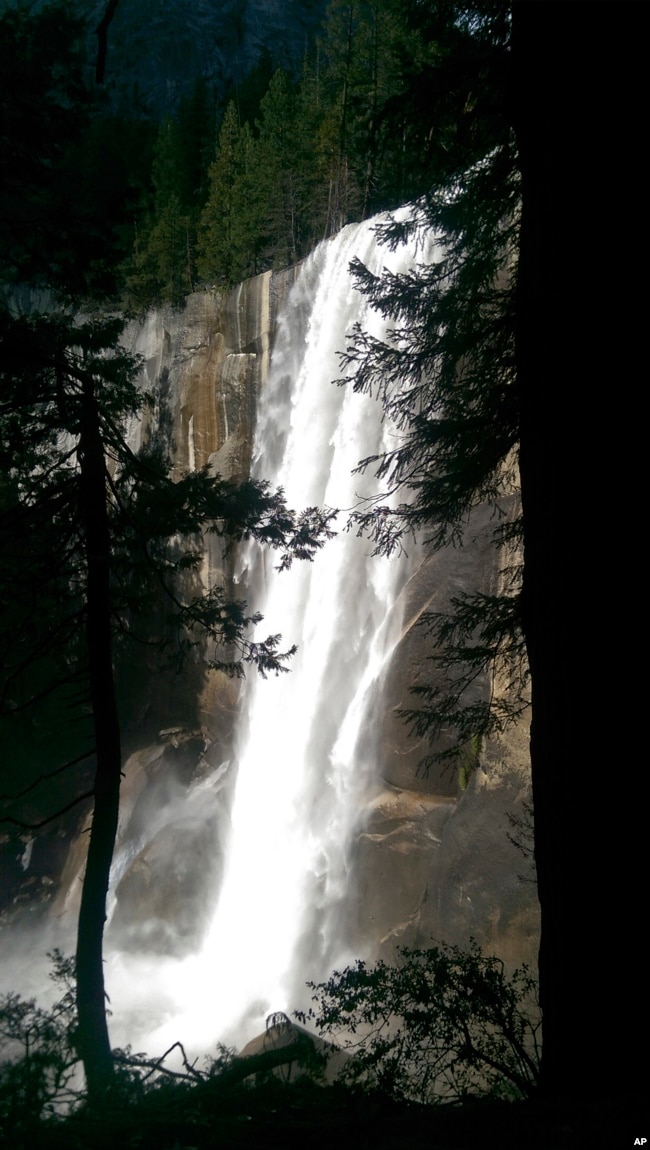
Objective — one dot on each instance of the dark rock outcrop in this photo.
(157, 48)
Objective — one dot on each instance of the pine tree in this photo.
(282, 170)
(196, 127)
(163, 260)
(372, 52)
(496, 352)
(67, 396)
(447, 381)
(162, 268)
(344, 194)
(231, 229)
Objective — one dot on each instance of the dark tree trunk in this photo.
(94, 1045)
(570, 107)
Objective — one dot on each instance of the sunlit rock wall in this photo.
(202, 368)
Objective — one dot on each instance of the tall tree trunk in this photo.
(94, 1044)
(570, 351)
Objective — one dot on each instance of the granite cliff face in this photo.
(433, 860)
(157, 48)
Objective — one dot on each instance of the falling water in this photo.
(306, 750)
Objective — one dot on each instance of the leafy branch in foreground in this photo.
(445, 379)
(159, 527)
(442, 1025)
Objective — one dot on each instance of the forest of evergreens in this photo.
(286, 161)
(228, 186)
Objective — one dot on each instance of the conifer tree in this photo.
(163, 259)
(371, 51)
(79, 513)
(282, 167)
(497, 349)
(68, 396)
(343, 189)
(163, 262)
(447, 381)
(229, 232)
(196, 128)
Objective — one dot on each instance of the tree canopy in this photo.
(294, 158)
(437, 1025)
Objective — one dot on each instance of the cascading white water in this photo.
(307, 746)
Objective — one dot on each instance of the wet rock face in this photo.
(169, 853)
(160, 903)
(432, 868)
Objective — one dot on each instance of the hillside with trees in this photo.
(293, 158)
(228, 184)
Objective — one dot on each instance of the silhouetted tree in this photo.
(497, 350)
(67, 389)
(78, 510)
(438, 1025)
(447, 377)
(576, 95)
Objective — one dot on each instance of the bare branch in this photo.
(50, 819)
(47, 775)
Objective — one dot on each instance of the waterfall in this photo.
(306, 750)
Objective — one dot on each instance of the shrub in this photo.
(38, 1061)
(441, 1025)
